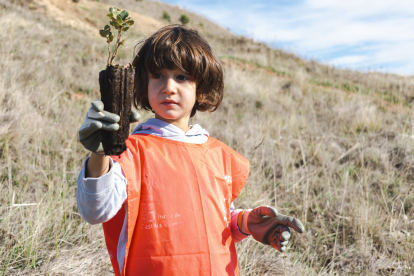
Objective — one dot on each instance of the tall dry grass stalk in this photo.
(336, 156)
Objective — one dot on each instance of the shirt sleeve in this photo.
(99, 199)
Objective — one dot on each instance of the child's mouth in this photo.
(168, 103)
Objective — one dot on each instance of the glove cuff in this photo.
(242, 222)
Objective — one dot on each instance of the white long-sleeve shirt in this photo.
(100, 199)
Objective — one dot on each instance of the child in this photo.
(166, 203)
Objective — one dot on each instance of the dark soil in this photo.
(117, 90)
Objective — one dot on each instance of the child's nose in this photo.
(169, 86)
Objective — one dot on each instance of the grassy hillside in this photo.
(331, 147)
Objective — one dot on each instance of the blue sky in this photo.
(366, 35)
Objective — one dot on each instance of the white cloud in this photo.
(348, 60)
(360, 34)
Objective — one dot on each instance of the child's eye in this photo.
(182, 78)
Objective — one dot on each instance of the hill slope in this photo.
(331, 147)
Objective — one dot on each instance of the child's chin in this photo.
(169, 116)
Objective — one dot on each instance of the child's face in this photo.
(172, 95)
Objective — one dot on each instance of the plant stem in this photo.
(116, 45)
(109, 52)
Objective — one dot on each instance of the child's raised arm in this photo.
(90, 136)
(101, 184)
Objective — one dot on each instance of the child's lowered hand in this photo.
(269, 227)
(97, 119)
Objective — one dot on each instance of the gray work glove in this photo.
(269, 227)
(97, 119)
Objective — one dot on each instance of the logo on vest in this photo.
(153, 220)
(228, 179)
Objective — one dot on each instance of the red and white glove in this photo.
(269, 227)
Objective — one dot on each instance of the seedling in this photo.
(120, 21)
(116, 83)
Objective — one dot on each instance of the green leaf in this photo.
(116, 24)
(119, 19)
(113, 12)
(105, 32)
(125, 27)
(122, 42)
(130, 22)
(124, 15)
(111, 37)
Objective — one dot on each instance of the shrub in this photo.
(184, 19)
(166, 16)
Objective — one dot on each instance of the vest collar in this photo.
(163, 129)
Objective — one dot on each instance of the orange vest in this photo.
(178, 204)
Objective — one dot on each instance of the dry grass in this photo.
(336, 161)
(46, 75)
(331, 147)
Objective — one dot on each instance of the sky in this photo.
(365, 35)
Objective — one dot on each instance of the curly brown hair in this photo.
(177, 46)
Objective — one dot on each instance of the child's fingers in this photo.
(264, 211)
(284, 243)
(291, 222)
(103, 116)
(279, 246)
(110, 117)
(135, 116)
(97, 112)
(286, 234)
(97, 105)
(93, 114)
(275, 244)
(109, 126)
(89, 127)
(279, 237)
(92, 142)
